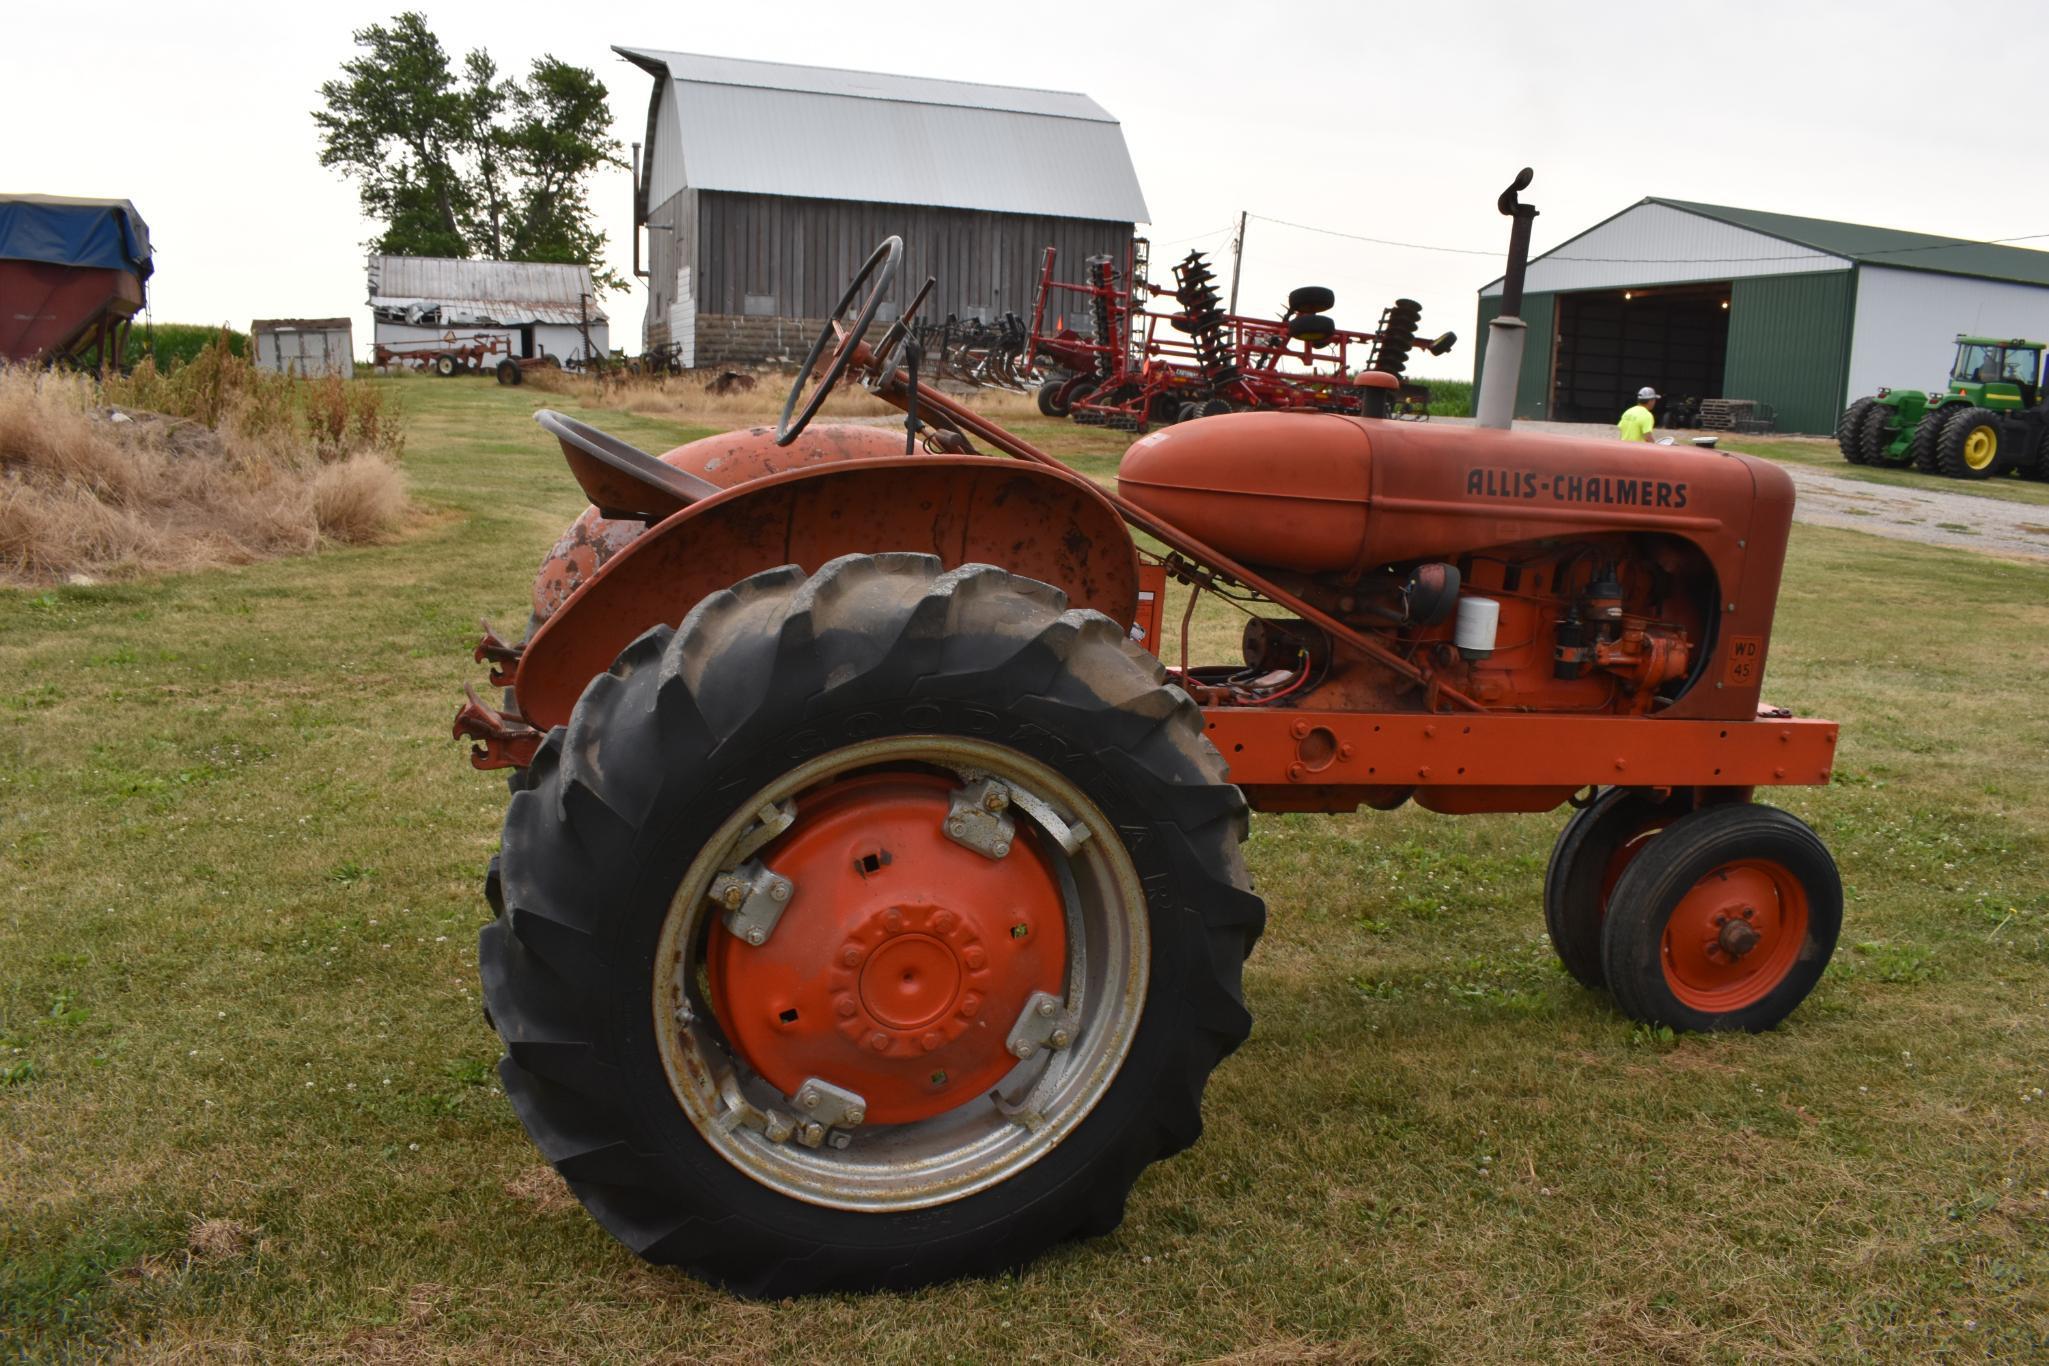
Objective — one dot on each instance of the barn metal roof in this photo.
(1885, 246)
(483, 291)
(822, 133)
(1816, 244)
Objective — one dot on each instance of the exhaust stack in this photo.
(1495, 406)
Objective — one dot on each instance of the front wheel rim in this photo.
(1734, 936)
(908, 1155)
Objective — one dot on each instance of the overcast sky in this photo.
(1400, 122)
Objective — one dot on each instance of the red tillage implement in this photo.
(1135, 368)
(871, 907)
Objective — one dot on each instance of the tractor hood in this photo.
(1319, 493)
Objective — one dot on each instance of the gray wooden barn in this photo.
(764, 186)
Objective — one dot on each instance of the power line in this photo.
(1179, 241)
(1658, 260)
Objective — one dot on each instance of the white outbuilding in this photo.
(538, 308)
(1799, 315)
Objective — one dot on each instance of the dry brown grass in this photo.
(212, 464)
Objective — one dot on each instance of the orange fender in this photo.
(724, 459)
(1035, 521)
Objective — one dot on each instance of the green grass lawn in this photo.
(248, 1106)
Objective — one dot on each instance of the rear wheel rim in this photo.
(1735, 936)
(1086, 909)
(1980, 447)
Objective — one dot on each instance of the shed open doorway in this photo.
(1613, 342)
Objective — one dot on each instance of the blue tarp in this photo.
(106, 233)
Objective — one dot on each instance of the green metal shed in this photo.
(1798, 314)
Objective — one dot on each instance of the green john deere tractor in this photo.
(1990, 419)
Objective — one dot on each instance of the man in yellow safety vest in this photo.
(1636, 423)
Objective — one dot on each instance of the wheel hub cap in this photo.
(903, 957)
(1734, 936)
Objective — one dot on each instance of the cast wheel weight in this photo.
(871, 928)
(1724, 920)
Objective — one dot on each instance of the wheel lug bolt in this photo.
(1045, 1010)
(856, 1116)
(850, 955)
(931, 1040)
(956, 826)
(1002, 851)
(1060, 1038)
(846, 1007)
(809, 1100)
(734, 897)
(756, 936)
(945, 921)
(893, 919)
(973, 956)
(1023, 1048)
(878, 1041)
(814, 1133)
(780, 891)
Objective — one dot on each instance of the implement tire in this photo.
(855, 695)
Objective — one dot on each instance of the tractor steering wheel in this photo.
(882, 264)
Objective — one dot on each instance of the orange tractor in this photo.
(871, 907)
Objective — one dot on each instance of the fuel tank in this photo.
(1319, 493)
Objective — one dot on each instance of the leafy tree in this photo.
(468, 162)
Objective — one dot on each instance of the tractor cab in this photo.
(1997, 374)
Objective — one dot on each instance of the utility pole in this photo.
(1237, 259)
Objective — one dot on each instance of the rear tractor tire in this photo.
(1724, 920)
(1969, 445)
(871, 928)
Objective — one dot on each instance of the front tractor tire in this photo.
(1597, 844)
(1850, 429)
(1875, 438)
(1723, 921)
(1925, 453)
(871, 928)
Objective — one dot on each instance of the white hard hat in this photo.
(1646, 392)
